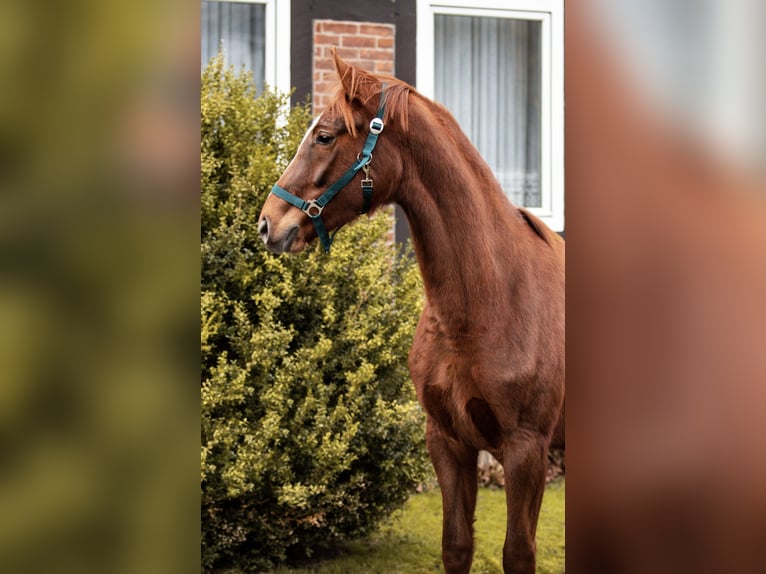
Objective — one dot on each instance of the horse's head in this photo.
(341, 168)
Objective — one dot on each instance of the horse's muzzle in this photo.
(276, 244)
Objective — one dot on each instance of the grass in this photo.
(410, 542)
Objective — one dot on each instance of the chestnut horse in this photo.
(488, 355)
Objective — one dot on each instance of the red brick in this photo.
(323, 64)
(325, 87)
(358, 41)
(349, 53)
(326, 76)
(386, 42)
(376, 54)
(367, 65)
(376, 29)
(335, 27)
(332, 39)
(382, 67)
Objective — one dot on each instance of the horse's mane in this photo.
(356, 83)
(540, 228)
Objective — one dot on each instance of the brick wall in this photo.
(366, 44)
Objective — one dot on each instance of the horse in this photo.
(487, 358)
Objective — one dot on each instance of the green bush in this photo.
(310, 430)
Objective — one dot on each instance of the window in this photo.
(254, 34)
(498, 67)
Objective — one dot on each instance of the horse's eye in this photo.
(324, 139)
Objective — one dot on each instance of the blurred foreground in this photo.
(99, 291)
(666, 317)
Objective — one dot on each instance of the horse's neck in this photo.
(462, 229)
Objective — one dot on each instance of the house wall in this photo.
(400, 14)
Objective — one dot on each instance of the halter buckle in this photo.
(313, 209)
(376, 126)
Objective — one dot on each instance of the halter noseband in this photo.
(314, 207)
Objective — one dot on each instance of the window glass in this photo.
(487, 72)
(239, 28)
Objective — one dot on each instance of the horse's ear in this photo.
(341, 67)
(344, 71)
(356, 82)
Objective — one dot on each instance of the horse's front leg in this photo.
(524, 462)
(455, 466)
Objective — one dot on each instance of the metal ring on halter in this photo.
(368, 162)
(376, 126)
(313, 209)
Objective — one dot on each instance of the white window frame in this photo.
(276, 69)
(550, 13)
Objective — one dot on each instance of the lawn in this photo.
(409, 543)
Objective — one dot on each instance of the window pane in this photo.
(240, 29)
(488, 73)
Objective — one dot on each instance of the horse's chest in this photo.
(465, 384)
(461, 370)
(455, 399)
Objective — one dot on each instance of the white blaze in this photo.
(303, 141)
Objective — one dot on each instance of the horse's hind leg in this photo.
(455, 467)
(524, 462)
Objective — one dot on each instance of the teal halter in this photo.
(314, 207)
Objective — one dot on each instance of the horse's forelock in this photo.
(358, 84)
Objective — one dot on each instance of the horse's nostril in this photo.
(290, 236)
(263, 229)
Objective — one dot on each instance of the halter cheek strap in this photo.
(314, 207)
